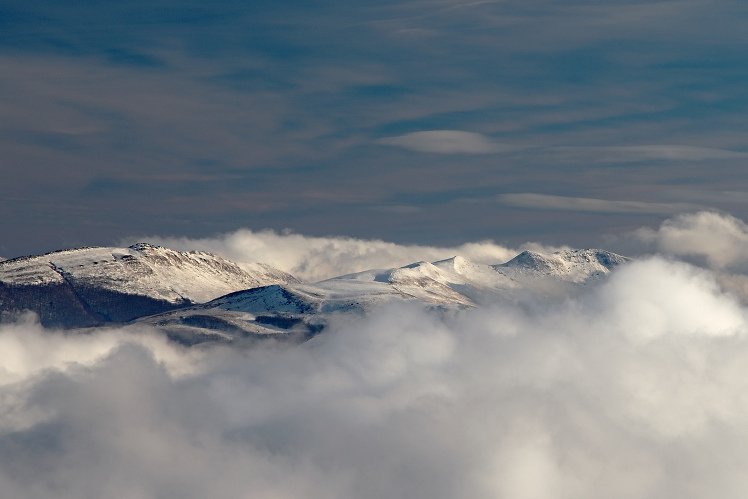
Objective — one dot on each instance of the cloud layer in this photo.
(635, 389)
(715, 240)
(719, 240)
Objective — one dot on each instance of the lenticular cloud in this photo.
(634, 389)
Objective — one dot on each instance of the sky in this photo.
(415, 122)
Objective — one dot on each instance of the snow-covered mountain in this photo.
(458, 281)
(89, 286)
(577, 266)
(301, 310)
(195, 297)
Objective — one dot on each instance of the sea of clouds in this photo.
(637, 387)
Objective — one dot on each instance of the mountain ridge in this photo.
(301, 310)
(196, 296)
(89, 286)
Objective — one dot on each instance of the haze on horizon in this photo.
(433, 123)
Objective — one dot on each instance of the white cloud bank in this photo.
(316, 258)
(719, 239)
(636, 389)
(716, 240)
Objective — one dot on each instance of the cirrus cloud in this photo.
(566, 203)
(632, 154)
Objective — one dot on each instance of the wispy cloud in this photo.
(631, 154)
(564, 203)
(705, 196)
(397, 209)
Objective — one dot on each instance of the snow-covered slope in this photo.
(458, 281)
(280, 311)
(436, 283)
(195, 296)
(576, 266)
(303, 309)
(87, 286)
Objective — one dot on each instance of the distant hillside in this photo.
(92, 286)
(298, 311)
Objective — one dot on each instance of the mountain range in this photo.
(195, 297)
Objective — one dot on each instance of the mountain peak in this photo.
(605, 258)
(532, 260)
(145, 247)
(104, 284)
(455, 261)
(570, 265)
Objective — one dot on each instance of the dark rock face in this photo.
(56, 304)
(63, 306)
(112, 306)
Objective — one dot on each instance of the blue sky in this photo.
(432, 122)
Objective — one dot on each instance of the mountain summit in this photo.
(568, 265)
(91, 286)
